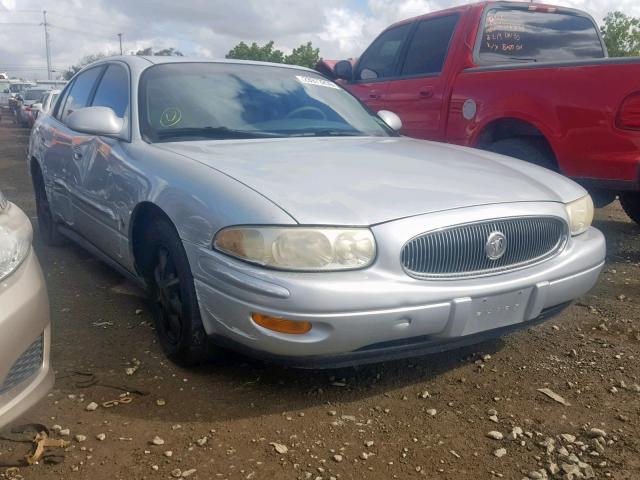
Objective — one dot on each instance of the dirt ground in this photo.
(423, 418)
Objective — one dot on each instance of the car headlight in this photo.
(14, 244)
(299, 248)
(580, 214)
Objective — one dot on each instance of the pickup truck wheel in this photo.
(173, 296)
(525, 148)
(630, 202)
(47, 225)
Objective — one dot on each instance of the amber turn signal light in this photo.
(281, 325)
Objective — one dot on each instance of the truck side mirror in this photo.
(343, 70)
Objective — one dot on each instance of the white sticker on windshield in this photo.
(318, 82)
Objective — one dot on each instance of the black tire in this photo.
(173, 297)
(530, 149)
(630, 202)
(602, 198)
(47, 225)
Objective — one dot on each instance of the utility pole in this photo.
(46, 43)
(120, 38)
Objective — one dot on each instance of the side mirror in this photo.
(95, 121)
(391, 119)
(343, 70)
(6, 90)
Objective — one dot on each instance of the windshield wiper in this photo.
(221, 133)
(327, 133)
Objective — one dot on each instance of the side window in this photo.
(57, 113)
(113, 90)
(380, 59)
(80, 92)
(428, 48)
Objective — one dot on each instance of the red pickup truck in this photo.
(527, 80)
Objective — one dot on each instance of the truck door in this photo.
(378, 65)
(417, 95)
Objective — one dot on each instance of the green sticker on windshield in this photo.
(170, 117)
(317, 82)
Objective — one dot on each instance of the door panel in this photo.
(419, 103)
(418, 96)
(378, 63)
(98, 165)
(371, 94)
(93, 186)
(56, 139)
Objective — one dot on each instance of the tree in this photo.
(73, 69)
(165, 52)
(304, 55)
(621, 34)
(264, 53)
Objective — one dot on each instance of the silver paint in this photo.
(397, 186)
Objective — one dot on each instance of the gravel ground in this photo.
(469, 414)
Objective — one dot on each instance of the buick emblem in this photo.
(496, 245)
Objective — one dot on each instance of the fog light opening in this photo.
(281, 325)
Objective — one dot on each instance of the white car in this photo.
(46, 103)
(25, 332)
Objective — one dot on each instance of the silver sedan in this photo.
(265, 209)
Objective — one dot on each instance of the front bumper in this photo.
(381, 310)
(25, 340)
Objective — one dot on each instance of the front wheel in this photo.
(173, 296)
(630, 202)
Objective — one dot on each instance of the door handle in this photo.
(426, 92)
(77, 155)
(373, 94)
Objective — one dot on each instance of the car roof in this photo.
(138, 63)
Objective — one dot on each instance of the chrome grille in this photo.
(460, 251)
(25, 367)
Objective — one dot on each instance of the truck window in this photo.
(381, 58)
(428, 47)
(516, 34)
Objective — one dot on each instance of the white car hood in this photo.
(370, 180)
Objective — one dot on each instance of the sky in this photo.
(208, 28)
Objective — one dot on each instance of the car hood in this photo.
(370, 180)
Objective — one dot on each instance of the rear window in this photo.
(512, 35)
(34, 94)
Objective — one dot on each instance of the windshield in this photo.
(187, 101)
(34, 94)
(515, 34)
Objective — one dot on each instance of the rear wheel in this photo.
(46, 222)
(173, 296)
(530, 149)
(630, 202)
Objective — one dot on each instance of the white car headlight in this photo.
(580, 214)
(299, 248)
